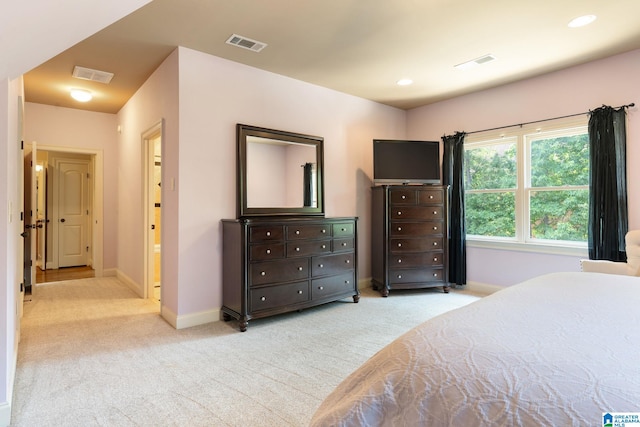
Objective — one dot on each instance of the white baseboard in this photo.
(135, 287)
(5, 414)
(482, 288)
(189, 320)
(110, 272)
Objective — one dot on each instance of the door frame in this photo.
(96, 167)
(148, 161)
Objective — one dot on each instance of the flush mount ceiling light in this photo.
(581, 21)
(404, 82)
(81, 95)
(475, 62)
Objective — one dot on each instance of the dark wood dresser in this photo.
(408, 237)
(276, 265)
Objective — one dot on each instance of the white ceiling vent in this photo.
(246, 43)
(475, 62)
(93, 75)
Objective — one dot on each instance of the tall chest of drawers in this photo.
(409, 237)
(276, 265)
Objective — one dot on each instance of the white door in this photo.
(29, 233)
(41, 216)
(73, 211)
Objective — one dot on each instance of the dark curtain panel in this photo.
(453, 176)
(307, 184)
(608, 221)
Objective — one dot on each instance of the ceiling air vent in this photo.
(475, 62)
(246, 43)
(93, 75)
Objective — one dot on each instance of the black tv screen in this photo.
(406, 162)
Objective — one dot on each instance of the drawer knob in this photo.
(435, 212)
(268, 251)
(435, 243)
(263, 298)
(344, 244)
(435, 274)
(400, 261)
(399, 212)
(347, 282)
(399, 276)
(399, 245)
(321, 287)
(299, 268)
(431, 196)
(404, 197)
(435, 259)
(344, 229)
(297, 249)
(323, 231)
(347, 261)
(435, 228)
(268, 233)
(297, 231)
(263, 273)
(299, 292)
(324, 246)
(399, 228)
(320, 265)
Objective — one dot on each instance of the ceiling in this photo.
(359, 47)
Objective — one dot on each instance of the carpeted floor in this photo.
(94, 354)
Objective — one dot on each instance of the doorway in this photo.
(152, 149)
(69, 204)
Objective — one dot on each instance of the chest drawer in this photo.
(328, 286)
(411, 260)
(416, 212)
(415, 228)
(266, 251)
(340, 245)
(331, 264)
(277, 296)
(428, 197)
(307, 231)
(416, 245)
(278, 271)
(415, 275)
(343, 229)
(403, 196)
(265, 233)
(308, 247)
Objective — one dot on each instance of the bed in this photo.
(560, 349)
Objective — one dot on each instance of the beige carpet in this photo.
(93, 354)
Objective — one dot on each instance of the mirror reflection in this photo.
(280, 174)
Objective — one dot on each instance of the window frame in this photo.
(524, 135)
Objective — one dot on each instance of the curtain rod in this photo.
(543, 120)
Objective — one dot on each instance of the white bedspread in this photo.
(557, 350)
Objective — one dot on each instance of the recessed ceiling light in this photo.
(581, 21)
(81, 95)
(404, 82)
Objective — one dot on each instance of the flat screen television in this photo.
(406, 162)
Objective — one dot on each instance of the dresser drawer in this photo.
(401, 229)
(307, 231)
(332, 285)
(278, 271)
(308, 247)
(266, 251)
(278, 296)
(331, 264)
(416, 260)
(403, 196)
(343, 229)
(341, 245)
(416, 212)
(265, 233)
(415, 275)
(430, 197)
(415, 245)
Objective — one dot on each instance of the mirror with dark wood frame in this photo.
(279, 173)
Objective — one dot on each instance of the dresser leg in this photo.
(243, 324)
(446, 289)
(356, 298)
(384, 291)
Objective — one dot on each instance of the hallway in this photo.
(62, 274)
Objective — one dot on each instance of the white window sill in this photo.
(541, 248)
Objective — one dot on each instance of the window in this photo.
(529, 186)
